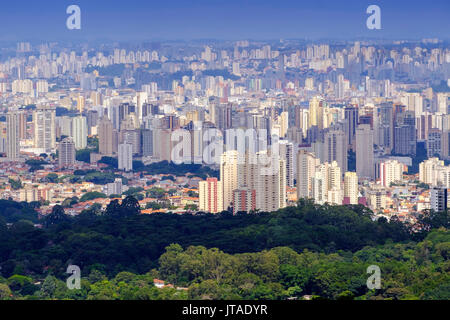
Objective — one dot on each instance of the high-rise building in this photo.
(141, 99)
(334, 176)
(221, 115)
(385, 127)
(92, 120)
(326, 184)
(270, 182)
(287, 154)
(376, 197)
(210, 195)
(445, 145)
(80, 103)
(147, 142)
(319, 184)
(414, 103)
(365, 167)
(390, 171)
(44, 129)
(351, 122)
(115, 187)
(125, 157)
(314, 112)
(434, 172)
(66, 153)
(405, 137)
(22, 125)
(428, 169)
(106, 137)
(439, 199)
(351, 187)
(434, 143)
(244, 200)
(335, 148)
(306, 167)
(79, 132)
(229, 176)
(12, 135)
(132, 137)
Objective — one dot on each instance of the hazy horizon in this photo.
(137, 20)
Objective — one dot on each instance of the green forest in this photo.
(319, 252)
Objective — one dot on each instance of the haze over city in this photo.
(233, 20)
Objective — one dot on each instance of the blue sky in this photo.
(232, 19)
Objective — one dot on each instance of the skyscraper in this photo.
(210, 195)
(12, 135)
(434, 143)
(287, 154)
(364, 152)
(106, 137)
(125, 157)
(335, 148)
(79, 132)
(244, 200)
(44, 129)
(351, 121)
(445, 145)
(439, 199)
(92, 120)
(66, 153)
(80, 103)
(405, 137)
(351, 187)
(385, 127)
(319, 184)
(270, 182)
(306, 167)
(390, 171)
(229, 176)
(147, 142)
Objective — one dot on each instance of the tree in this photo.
(130, 206)
(92, 195)
(5, 292)
(57, 216)
(113, 209)
(15, 184)
(69, 202)
(52, 178)
(21, 284)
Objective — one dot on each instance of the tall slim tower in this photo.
(229, 176)
(351, 121)
(364, 152)
(44, 128)
(335, 148)
(80, 103)
(287, 154)
(351, 187)
(12, 135)
(105, 137)
(306, 168)
(66, 153)
(79, 132)
(270, 183)
(125, 157)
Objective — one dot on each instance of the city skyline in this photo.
(166, 151)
